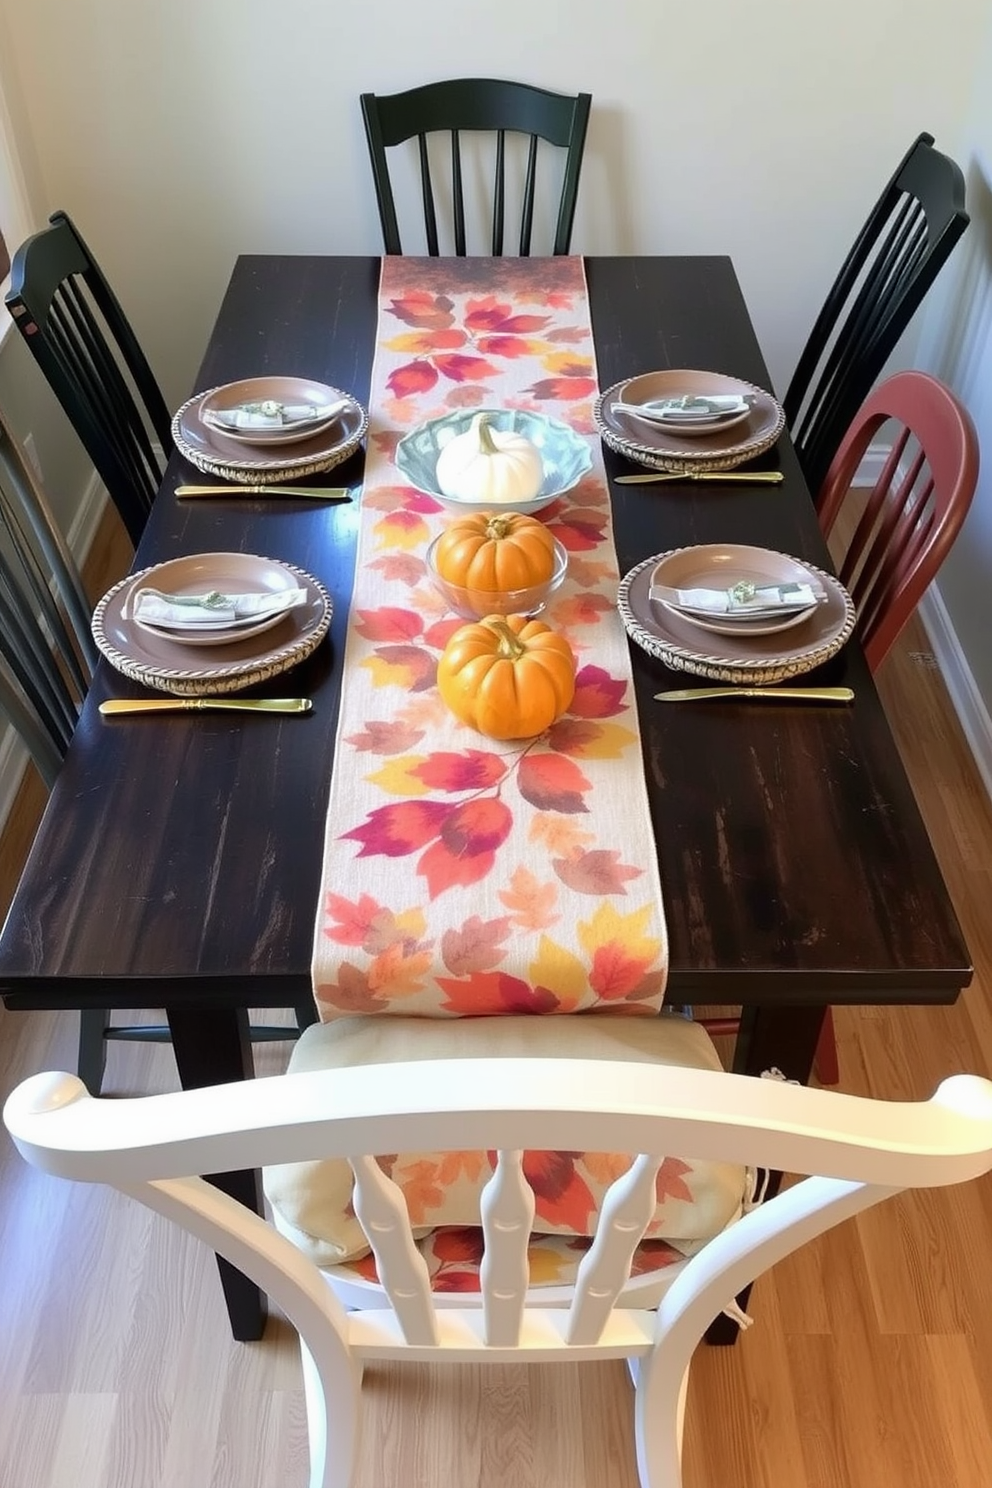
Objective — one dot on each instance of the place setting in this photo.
(211, 622)
(689, 423)
(264, 432)
(735, 613)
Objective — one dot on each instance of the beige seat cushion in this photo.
(313, 1200)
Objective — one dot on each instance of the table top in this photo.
(184, 851)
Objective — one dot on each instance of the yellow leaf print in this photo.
(562, 973)
(568, 361)
(390, 673)
(610, 743)
(558, 835)
(424, 710)
(605, 1167)
(546, 1265)
(609, 927)
(411, 924)
(395, 777)
(401, 529)
(455, 1165)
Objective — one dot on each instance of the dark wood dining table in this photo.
(178, 862)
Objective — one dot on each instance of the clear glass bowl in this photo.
(475, 604)
(565, 455)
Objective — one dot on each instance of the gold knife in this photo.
(308, 493)
(195, 704)
(750, 477)
(790, 694)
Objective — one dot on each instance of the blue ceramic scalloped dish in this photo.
(566, 456)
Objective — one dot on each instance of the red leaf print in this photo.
(353, 918)
(469, 395)
(477, 946)
(455, 1281)
(460, 368)
(563, 1198)
(564, 389)
(669, 1184)
(504, 346)
(466, 848)
(440, 633)
(423, 310)
(389, 624)
(486, 993)
(385, 737)
(567, 336)
(472, 770)
(579, 535)
(582, 609)
(419, 501)
(488, 314)
(573, 735)
(398, 829)
(406, 568)
(597, 872)
(412, 377)
(552, 783)
(597, 694)
(421, 665)
(614, 973)
(457, 1243)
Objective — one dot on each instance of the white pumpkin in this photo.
(489, 465)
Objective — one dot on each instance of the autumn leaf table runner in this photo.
(462, 876)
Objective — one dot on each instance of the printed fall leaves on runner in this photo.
(465, 877)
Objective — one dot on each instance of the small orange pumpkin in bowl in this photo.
(507, 676)
(495, 552)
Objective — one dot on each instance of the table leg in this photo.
(212, 1047)
(771, 1038)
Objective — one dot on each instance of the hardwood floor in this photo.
(870, 1361)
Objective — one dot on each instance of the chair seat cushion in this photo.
(312, 1200)
(454, 1259)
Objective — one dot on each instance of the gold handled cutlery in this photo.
(196, 704)
(307, 493)
(749, 477)
(788, 694)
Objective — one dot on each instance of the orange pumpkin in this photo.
(507, 676)
(495, 552)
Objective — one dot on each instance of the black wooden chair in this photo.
(78, 334)
(47, 656)
(462, 104)
(895, 259)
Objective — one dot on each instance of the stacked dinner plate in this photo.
(211, 622)
(267, 430)
(735, 613)
(688, 422)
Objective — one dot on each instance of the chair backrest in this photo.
(77, 332)
(864, 1151)
(896, 257)
(47, 653)
(915, 508)
(462, 104)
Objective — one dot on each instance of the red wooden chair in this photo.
(912, 515)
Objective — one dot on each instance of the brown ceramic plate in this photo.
(166, 664)
(217, 453)
(676, 641)
(664, 449)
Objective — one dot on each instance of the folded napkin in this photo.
(206, 611)
(743, 599)
(691, 408)
(271, 415)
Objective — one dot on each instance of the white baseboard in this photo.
(82, 532)
(965, 697)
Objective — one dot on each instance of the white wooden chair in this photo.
(863, 1150)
